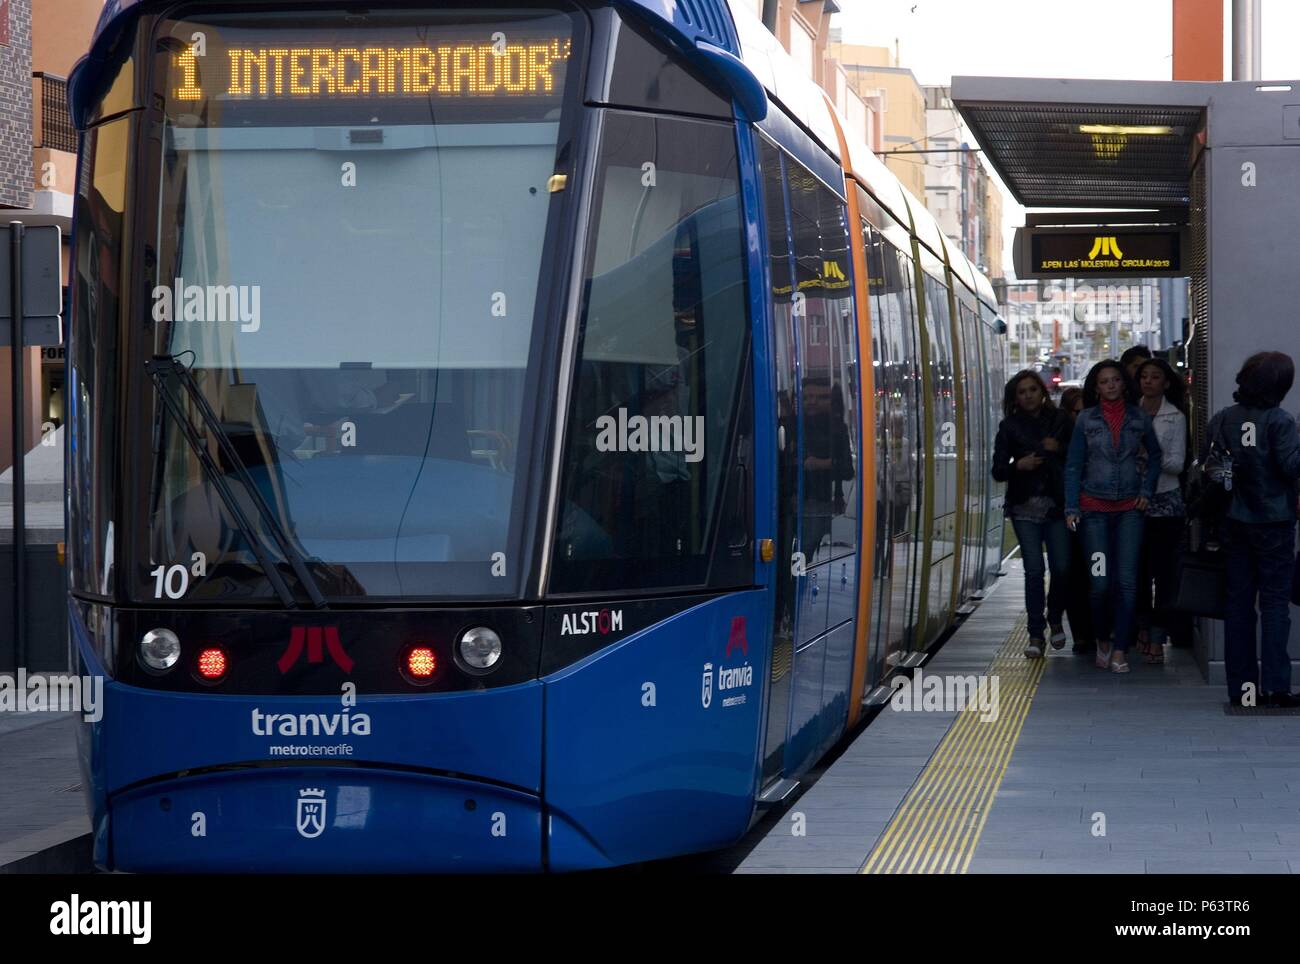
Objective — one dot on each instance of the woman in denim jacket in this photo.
(1106, 492)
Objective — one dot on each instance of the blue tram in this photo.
(512, 437)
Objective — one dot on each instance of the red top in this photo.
(1113, 413)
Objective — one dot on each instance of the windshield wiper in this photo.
(159, 368)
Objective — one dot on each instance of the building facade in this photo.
(874, 74)
(1073, 324)
(40, 40)
(959, 189)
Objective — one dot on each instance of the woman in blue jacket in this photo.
(1106, 495)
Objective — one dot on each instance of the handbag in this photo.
(1210, 491)
(1203, 583)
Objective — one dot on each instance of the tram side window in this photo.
(96, 323)
(822, 275)
(653, 424)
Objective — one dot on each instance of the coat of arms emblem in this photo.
(311, 812)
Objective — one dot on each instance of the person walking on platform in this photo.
(1105, 494)
(1078, 605)
(1133, 359)
(1163, 397)
(1029, 455)
(1259, 529)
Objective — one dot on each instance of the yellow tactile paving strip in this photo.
(938, 825)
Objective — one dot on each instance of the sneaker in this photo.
(1058, 637)
(1034, 648)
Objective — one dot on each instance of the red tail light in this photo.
(213, 663)
(421, 663)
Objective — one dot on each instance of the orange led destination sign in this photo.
(450, 70)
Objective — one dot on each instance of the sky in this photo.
(1111, 39)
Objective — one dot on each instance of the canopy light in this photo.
(1125, 129)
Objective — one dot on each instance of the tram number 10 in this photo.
(174, 580)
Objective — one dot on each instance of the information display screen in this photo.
(323, 60)
(1106, 252)
(496, 68)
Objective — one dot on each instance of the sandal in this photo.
(1154, 659)
(1118, 665)
(1103, 656)
(1058, 637)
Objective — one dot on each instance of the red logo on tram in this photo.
(737, 637)
(317, 640)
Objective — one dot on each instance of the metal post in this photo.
(19, 483)
(1246, 40)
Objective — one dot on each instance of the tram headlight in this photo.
(478, 650)
(160, 649)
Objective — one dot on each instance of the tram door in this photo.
(787, 462)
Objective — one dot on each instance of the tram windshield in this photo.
(353, 212)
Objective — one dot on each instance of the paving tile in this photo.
(795, 870)
(38, 763)
(1108, 865)
(1226, 867)
(1237, 839)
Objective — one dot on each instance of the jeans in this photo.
(1112, 543)
(1260, 561)
(1032, 536)
(1161, 550)
(1078, 600)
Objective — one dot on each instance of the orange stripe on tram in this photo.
(866, 412)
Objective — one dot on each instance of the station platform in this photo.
(1081, 771)
(43, 822)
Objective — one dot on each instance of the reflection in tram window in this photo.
(664, 338)
(823, 275)
(101, 205)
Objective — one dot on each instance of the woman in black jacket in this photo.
(1259, 532)
(1029, 455)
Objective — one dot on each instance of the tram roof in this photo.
(1088, 143)
(789, 84)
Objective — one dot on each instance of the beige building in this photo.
(804, 29)
(991, 230)
(873, 74)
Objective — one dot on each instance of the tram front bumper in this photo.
(318, 819)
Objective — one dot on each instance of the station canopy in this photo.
(1087, 143)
